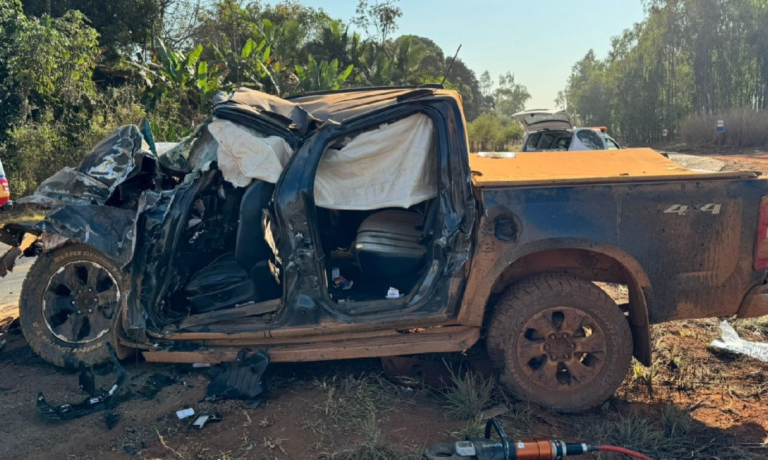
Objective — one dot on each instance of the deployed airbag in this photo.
(245, 154)
(393, 166)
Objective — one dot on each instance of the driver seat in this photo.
(242, 276)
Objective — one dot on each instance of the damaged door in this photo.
(358, 260)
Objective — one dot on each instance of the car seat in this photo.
(244, 276)
(391, 244)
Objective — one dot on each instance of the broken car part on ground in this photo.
(356, 224)
(96, 400)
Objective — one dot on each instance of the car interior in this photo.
(549, 141)
(553, 141)
(226, 258)
(379, 254)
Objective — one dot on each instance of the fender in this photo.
(108, 229)
(493, 258)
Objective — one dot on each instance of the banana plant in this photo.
(176, 68)
(196, 81)
(323, 76)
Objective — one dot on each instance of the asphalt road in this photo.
(10, 286)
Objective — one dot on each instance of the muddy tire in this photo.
(560, 342)
(70, 305)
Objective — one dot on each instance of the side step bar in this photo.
(436, 340)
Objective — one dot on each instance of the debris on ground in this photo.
(732, 343)
(154, 384)
(95, 402)
(240, 379)
(185, 413)
(112, 419)
(204, 419)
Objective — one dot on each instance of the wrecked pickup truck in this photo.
(357, 224)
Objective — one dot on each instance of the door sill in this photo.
(339, 346)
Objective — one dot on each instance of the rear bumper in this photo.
(5, 201)
(7, 206)
(755, 304)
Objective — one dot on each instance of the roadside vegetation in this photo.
(688, 64)
(71, 71)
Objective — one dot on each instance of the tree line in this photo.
(687, 61)
(73, 70)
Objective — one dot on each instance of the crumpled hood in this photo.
(114, 160)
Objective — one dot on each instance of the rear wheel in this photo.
(70, 305)
(560, 342)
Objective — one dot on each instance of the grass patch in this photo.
(468, 396)
(352, 398)
(758, 326)
(21, 216)
(475, 428)
(673, 437)
(376, 447)
(635, 433)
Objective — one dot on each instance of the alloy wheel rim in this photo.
(79, 302)
(561, 349)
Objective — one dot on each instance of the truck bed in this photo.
(589, 167)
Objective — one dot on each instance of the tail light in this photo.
(761, 245)
(4, 183)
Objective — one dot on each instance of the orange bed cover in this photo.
(598, 166)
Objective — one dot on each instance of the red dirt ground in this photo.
(693, 404)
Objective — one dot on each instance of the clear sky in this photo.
(537, 40)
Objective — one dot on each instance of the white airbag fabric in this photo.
(393, 166)
(245, 154)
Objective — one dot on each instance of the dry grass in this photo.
(351, 398)
(757, 326)
(376, 447)
(744, 127)
(24, 215)
(669, 437)
(468, 396)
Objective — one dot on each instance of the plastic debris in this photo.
(204, 419)
(112, 419)
(732, 343)
(240, 379)
(393, 293)
(185, 413)
(96, 401)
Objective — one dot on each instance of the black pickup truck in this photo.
(357, 224)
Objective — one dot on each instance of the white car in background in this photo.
(547, 131)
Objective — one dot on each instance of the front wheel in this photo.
(70, 305)
(560, 341)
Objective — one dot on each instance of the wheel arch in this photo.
(588, 260)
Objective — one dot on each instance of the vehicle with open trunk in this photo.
(547, 131)
(357, 224)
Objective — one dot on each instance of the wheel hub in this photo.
(85, 299)
(561, 349)
(559, 346)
